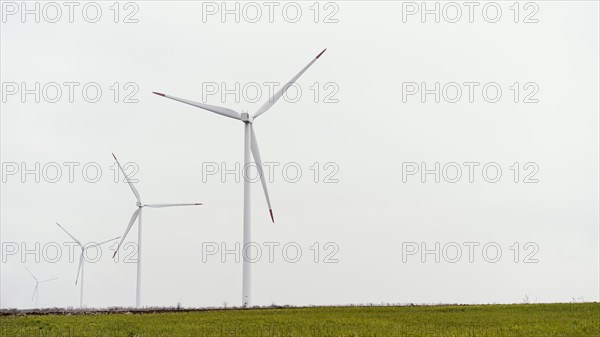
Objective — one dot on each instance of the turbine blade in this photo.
(50, 279)
(133, 189)
(101, 243)
(212, 108)
(80, 265)
(30, 273)
(69, 234)
(259, 165)
(276, 96)
(35, 291)
(170, 205)
(133, 217)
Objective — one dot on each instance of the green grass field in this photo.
(569, 319)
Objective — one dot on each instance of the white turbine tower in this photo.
(137, 214)
(36, 290)
(81, 259)
(250, 145)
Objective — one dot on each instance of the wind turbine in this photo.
(137, 214)
(250, 145)
(81, 260)
(36, 292)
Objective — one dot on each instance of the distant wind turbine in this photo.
(36, 290)
(250, 145)
(81, 259)
(137, 214)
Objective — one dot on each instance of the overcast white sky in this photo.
(360, 123)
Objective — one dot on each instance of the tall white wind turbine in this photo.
(36, 290)
(250, 145)
(137, 214)
(81, 259)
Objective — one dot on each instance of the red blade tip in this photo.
(321, 53)
(271, 212)
(158, 93)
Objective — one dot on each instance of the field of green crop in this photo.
(569, 319)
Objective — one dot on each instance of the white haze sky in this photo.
(369, 133)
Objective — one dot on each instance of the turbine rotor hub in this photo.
(246, 118)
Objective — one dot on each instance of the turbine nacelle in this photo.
(246, 118)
